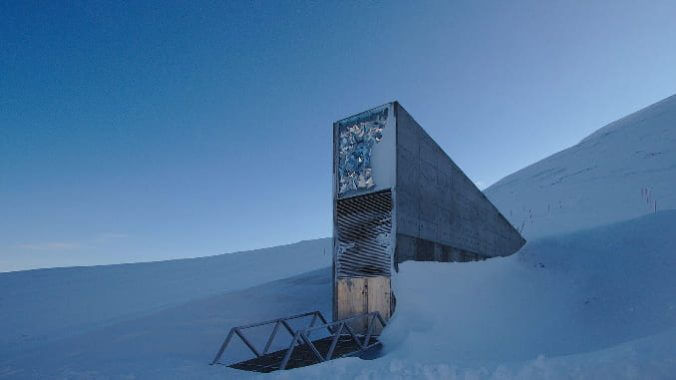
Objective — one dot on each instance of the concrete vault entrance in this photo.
(396, 197)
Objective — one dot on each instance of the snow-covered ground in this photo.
(45, 306)
(590, 296)
(573, 306)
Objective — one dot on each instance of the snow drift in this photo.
(580, 305)
(43, 305)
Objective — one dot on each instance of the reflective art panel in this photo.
(356, 139)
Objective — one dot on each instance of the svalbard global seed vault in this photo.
(396, 197)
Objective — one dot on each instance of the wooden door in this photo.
(359, 295)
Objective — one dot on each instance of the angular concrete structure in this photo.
(398, 197)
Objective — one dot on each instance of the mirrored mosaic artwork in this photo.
(357, 137)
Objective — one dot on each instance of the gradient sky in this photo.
(135, 131)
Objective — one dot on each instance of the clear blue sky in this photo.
(134, 131)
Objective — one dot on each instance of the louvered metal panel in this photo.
(364, 230)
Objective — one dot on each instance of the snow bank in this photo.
(40, 306)
(174, 343)
(593, 304)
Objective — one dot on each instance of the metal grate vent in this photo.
(364, 229)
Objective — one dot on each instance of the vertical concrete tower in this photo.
(397, 196)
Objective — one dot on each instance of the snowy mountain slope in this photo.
(38, 306)
(624, 170)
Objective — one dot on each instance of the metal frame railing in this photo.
(278, 322)
(302, 336)
(336, 333)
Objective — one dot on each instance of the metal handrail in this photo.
(279, 319)
(302, 336)
(337, 333)
(278, 322)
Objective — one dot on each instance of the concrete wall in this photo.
(440, 214)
